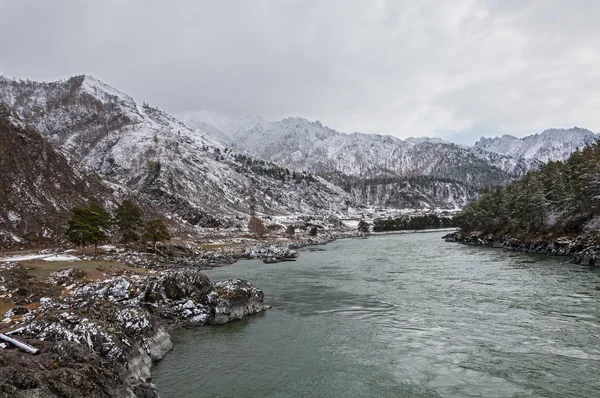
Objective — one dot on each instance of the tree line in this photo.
(93, 224)
(562, 196)
(403, 223)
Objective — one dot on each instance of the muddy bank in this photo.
(100, 338)
(584, 249)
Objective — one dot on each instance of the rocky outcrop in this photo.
(583, 249)
(121, 322)
(271, 253)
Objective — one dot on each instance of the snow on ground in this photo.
(38, 256)
(61, 257)
(26, 257)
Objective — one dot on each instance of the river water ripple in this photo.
(400, 316)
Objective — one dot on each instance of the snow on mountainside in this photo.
(350, 160)
(179, 169)
(304, 145)
(219, 125)
(39, 185)
(553, 144)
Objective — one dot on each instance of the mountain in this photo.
(39, 185)
(218, 125)
(304, 145)
(356, 160)
(553, 144)
(183, 171)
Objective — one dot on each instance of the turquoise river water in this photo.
(400, 316)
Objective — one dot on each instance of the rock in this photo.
(67, 276)
(582, 248)
(119, 322)
(452, 237)
(271, 253)
(237, 299)
(271, 260)
(145, 390)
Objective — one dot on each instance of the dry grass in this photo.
(5, 305)
(215, 246)
(93, 270)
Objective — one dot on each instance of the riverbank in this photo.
(414, 231)
(398, 316)
(99, 335)
(584, 249)
(100, 322)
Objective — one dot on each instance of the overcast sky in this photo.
(454, 69)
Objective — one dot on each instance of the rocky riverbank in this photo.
(221, 252)
(99, 338)
(584, 249)
(100, 329)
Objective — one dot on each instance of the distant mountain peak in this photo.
(551, 144)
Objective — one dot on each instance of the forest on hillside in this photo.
(561, 196)
(404, 223)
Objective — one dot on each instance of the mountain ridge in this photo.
(188, 174)
(207, 177)
(551, 144)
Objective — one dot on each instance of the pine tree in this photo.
(88, 225)
(290, 231)
(561, 195)
(156, 231)
(128, 218)
(364, 226)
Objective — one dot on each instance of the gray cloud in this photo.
(455, 69)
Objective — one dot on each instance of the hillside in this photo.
(356, 160)
(562, 197)
(310, 146)
(553, 144)
(38, 184)
(183, 171)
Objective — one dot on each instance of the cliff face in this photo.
(38, 184)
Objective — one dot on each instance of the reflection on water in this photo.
(400, 316)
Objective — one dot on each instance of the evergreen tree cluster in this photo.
(428, 221)
(92, 224)
(364, 226)
(561, 196)
(269, 169)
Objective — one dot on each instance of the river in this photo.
(400, 316)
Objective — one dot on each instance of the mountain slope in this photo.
(348, 159)
(220, 126)
(305, 145)
(38, 184)
(553, 144)
(183, 171)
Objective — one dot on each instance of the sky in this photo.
(456, 69)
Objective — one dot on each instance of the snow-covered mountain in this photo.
(304, 145)
(366, 164)
(39, 185)
(184, 171)
(208, 169)
(218, 125)
(552, 144)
